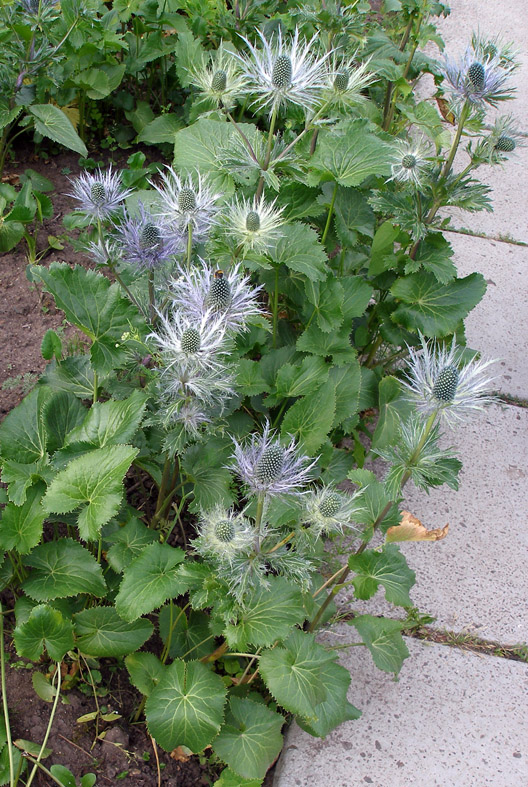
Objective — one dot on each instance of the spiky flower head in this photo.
(327, 510)
(253, 224)
(184, 340)
(146, 242)
(220, 79)
(503, 140)
(438, 380)
(489, 48)
(409, 162)
(266, 466)
(228, 295)
(284, 70)
(37, 7)
(211, 387)
(185, 203)
(100, 194)
(479, 78)
(346, 79)
(223, 535)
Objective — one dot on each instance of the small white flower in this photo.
(100, 194)
(266, 466)
(439, 381)
(182, 339)
(328, 511)
(228, 295)
(220, 79)
(187, 203)
(284, 71)
(253, 224)
(223, 535)
(409, 162)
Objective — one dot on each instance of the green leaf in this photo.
(335, 709)
(95, 306)
(301, 379)
(249, 378)
(250, 739)
(188, 54)
(45, 628)
(22, 432)
(73, 374)
(11, 233)
(50, 121)
(383, 638)
(357, 294)
(270, 615)
(299, 249)
(161, 129)
(349, 158)
(228, 778)
(62, 568)
(93, 482)
(21, 526)
(150, 580)
(310, 419)
(63, 775)
(293, 672)
(203, 465)
(381, 253)
(187, 706)
(8, 115)
(20, 476)
(128, 542)
(145, 671)
(191, 636)
(435, 309)
(388, 568)
(393, 409)
(347, 384)
(62, 413)
(51, 345)
(434, 255)
(111, 423)
(100, 632)
(352, 212)
(327, 298)
(336, 343)
(43, 687)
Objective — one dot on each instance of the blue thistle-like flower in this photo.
(479, 78)
(146, 242)
(328, 510)
(228, 295)
(438, 380)
(284, 71)
(187, 202)
(100, 194)
(184, 340)
(223, 535)
(220, 80)
(266, 466)
(409, 163)
(254, 224)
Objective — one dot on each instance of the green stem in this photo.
(48, 729)
(265, 165)
(275, 307)
(95, 387)
(99, 549)
(245, 140)
(454, 147)
(258, 518)
(152, 307)
(394, 92)
(330, 213)
(189, 245)
(45, 770)
(373, 350)
(4, 702)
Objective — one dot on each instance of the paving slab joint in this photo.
(514, 401)
(465, 640)
(501, 238)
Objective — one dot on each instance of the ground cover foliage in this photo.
(253, 305)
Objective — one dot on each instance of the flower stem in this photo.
(454, 147)
(152, 309)
(48, 729)
(189, 245)
(258, 518)
(330, 213)
(4, 702)
(275, 306)
(265, 164)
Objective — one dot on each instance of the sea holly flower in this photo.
(187, 203)
(211, 386)
(266, 466)
(478, 78)
(505, 137)
(253, 224)
(220, 80)
(489, 48)
(409, 164)
(182, 339)
(146, 242)
(223, 535)
(190, 413)
(100, 194)
(284, 71)
(327, 510)
(438, 380)
(346, 80)
(228, 295)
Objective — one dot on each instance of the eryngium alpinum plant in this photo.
(284, 277)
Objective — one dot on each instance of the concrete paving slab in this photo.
(498, 325)
(454, 719)
(475, 579)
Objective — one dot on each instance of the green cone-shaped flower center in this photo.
(505, 144)
(219, 295)
(341, 80)
(446, 383)
(219, 81)
(330, 504)
(186, 200)
(408, 161)
(225, 531)
(150, 236)
(190, 340)
(269, 466)
(476, 75)
(98, 193)
(281, 75)
(252, 221)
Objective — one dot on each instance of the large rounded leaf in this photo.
(101, 632)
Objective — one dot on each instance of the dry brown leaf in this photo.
(445, 110)
(411, 529)
(12, 179)
(181, 754)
